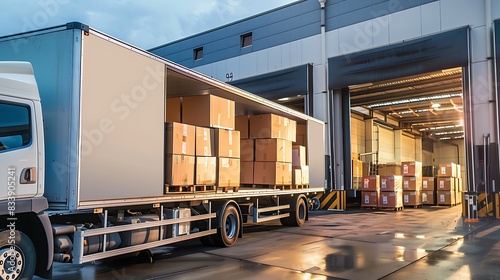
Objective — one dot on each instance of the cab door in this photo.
(18, 148)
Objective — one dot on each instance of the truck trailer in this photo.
(83, 154)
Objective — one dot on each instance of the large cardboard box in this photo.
(299, 155)
(179, 170)
(206, 171)
(296, 176)
(180, 139)
(429, 197)
(357, 168)
(447, 170)
(369, 198)
(391, 183)
(242, 124)
(428, 184)
(445, 184)
(208, 111)
(228, 172)
(392, 199)
(246, 176)
(301, 135)
(291, 131)
(445, 198)
(227, 143)
(371, 183)
(411, 168)
(247, 147)
(305, 174)
(205, 141)
(412, 198)
(268, 126)
(389, 169)
(272, 173)
(273, 150)
(412, 183)
(173, 110)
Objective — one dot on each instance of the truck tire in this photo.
(19, 263)
(297, 217)
(229, 229)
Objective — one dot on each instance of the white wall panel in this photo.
(405, 25)
(354, 38)
(319, 106)
(296, 53)
(286, 56)
(380, 31)
(232, 66)
(457, 13)
(478, 47)
(248, 65)
(311, 49)
(262, 58)
(332, 43)
(274, 59)
(495, 9)
(480, 86)
(386, 145)
(481, 123)
(430, 18)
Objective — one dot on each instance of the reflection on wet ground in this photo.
(422, 243)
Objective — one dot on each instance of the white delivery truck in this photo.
(82, 154)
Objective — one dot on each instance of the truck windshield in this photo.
(14, 126)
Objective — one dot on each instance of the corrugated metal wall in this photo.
(386, 145)
(407, 148)
(357, 135)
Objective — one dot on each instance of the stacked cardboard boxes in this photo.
(370, 191)
(300, 175)
(412, 183)
(428, 191)
(391, 192)
(357, 172)
(448, 184)
(180, 154)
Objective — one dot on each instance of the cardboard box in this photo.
(205, 142)
(227, 143)
(273, 150)
(411, 168)
(296, 176)
(459, 170)
(445, 198)
(429, 197)
(305, 174)
(412, 183)
(369, 198)
(357, 183)
(247, 147)
(357, 168)
(412, 198)
(173, 110)
(392, 199)
(389, 169)
(291, 130)
(301, 135)
(180, 139)
(299, 155)
(268, 126)
(246, 172)
(391, 183)
(428, 184)
(242, 124)
(371, 183)
(447, 170)
(208, 111)
(272, 173)
(355, 156)
(179, 170)
(228, 172)
(459, 185)
(205, 171)
(445, 184)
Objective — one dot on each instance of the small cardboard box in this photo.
(180, 139)
(272, 173)
(246, 176)
(297, 176)
(389, 169)
(273, 150)
(411, 168)
(227, 143)
(412, 198)
(429, 197)
(445, 198)
(242, 124)
(445, 184)
(247, 147)
(391, 183)
(392, 199)
(447, 170)
(173, 110)
(371, 183)
(412, 183)
(206, 170)
(205, 141)
(428, 184)
(179, 170)
(305, 174)
(268, 126)
(369, 198)
(299, 155)
(208, 111)
(228, 172)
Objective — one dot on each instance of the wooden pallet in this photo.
(400, 208)
(227, 189)
(274, 187)
(205, 188)
(178, 189)
(301, 186)
(415, 206)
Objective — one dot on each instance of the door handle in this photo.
(28, 175)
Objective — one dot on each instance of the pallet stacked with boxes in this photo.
(391, 192)
(412, 183)
(180, 157)
(428, 190)
(448, 184)
(370, 191)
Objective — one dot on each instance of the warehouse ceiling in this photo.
(430, 104)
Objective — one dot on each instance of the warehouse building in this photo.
(395, 80)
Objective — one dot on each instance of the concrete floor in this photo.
(423, 243)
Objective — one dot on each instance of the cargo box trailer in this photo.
(82, 133)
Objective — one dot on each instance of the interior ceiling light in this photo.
(284, 99)
(418, 99)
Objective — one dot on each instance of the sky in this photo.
(145, 24)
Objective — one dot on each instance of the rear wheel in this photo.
(297, 217)
(229, 229)
(17, 256)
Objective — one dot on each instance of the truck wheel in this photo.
(228, 232)
(17, 259)
(297, 217)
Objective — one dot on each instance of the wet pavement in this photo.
(422, 243)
